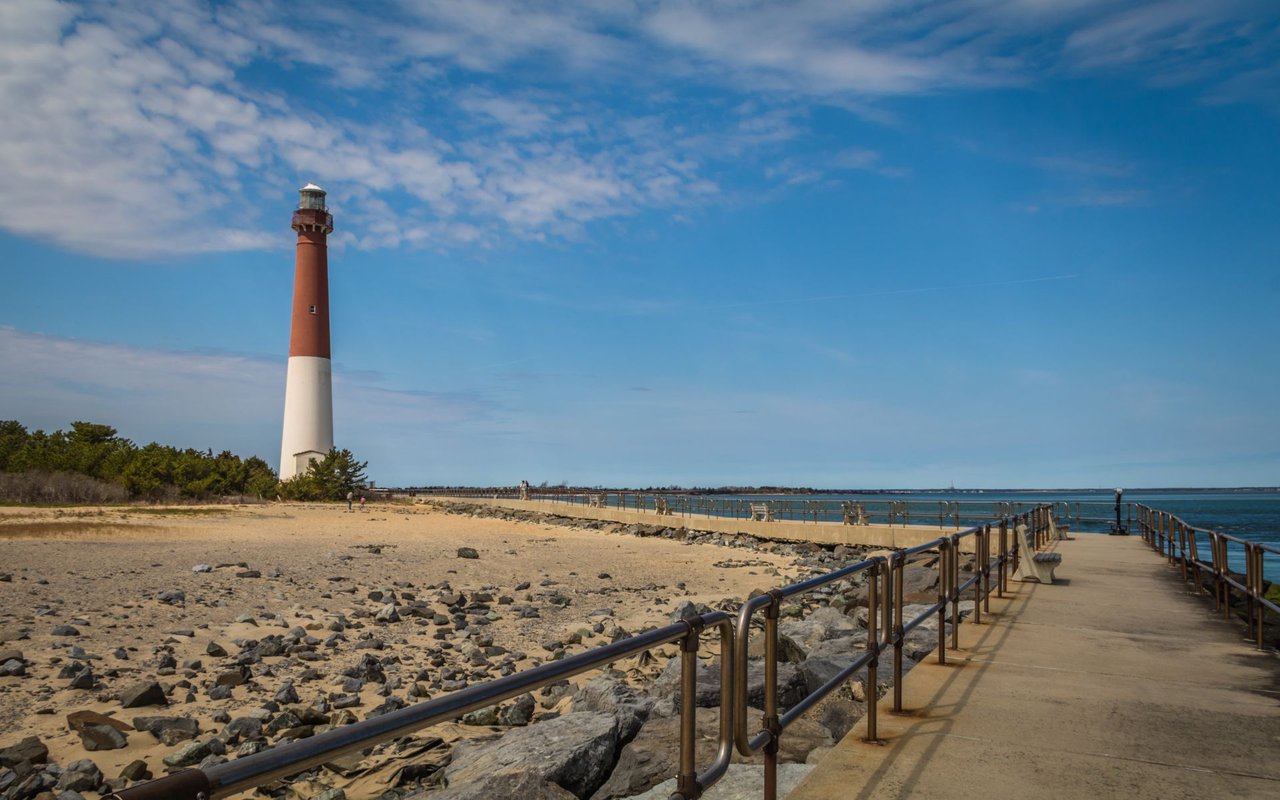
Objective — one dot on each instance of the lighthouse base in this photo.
(308, 414)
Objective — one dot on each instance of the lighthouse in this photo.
(308, 390)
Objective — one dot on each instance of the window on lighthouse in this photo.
(312, 309)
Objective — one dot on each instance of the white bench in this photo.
(662, 506)
(597, 501)
(1058, 530)
(1031, 564)
(760, 512)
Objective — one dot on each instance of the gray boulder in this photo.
(824, 624)
(169, 730)
(524, 785)
(666, 687)
(103, 737)
(608, 694)
(654, 755)
(80, 776)
(576, 752)
(146, 693)
(29, 749)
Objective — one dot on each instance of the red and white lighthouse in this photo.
(308, 391)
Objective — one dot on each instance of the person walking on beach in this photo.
(350, 496)
(362, 502)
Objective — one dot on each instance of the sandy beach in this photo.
(116, 588)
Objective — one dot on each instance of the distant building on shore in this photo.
(308, 391)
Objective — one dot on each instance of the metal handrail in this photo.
(946, 513)
(882, 602)
(1178, 542)
(222, 780)
(884, 614)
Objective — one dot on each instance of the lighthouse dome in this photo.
(312, 196)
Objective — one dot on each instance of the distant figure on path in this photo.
(524, 490)
(362, 502)
(350, 496)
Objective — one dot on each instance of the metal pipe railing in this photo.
(885, 628)
(222, 780)
(1178, 542)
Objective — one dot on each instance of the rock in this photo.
(102, 737)
(146, 693)
(575, 751)
(200, 568)
(520, 712)
(136, 770)
(332, 794)
(822, 625)
(920, 582)
(80, 776)
(65, 630)
(13, 667)
(172, 598)
(188, 754)
(523, 785)
(666, 687)
(608, 694)
(76, 720)
(654, 755)
(242, 728)
(741, 780)
(232, 677)
(249, 573)
(467, 552)
(168, 730)
(828, 658)
(486, 716)
(216, 650)
(30, 749)
(83, 679)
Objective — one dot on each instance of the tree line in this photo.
(91, 462)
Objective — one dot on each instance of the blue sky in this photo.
(874, 244)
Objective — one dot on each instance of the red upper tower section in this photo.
(309, 335)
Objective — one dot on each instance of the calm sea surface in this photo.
(1252, 516)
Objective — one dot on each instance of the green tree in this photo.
(13, 437)
(328, 478)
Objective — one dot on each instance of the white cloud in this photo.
(196, 399)
(129, 123)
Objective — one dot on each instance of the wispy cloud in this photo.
(131, 123)
(196, 399)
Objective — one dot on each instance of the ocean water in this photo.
(1251, 516)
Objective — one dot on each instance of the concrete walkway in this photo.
(1112, 682)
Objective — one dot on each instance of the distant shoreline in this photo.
(758, 491)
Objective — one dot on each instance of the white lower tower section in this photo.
(308, 414)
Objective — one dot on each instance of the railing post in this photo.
(1003, 547)
(984, 551)
(944, 576)
(870, 693)
(955, 592)
(1257, 588)
(770, 721)
(1249, 591)
(898, 564)
(687, 779)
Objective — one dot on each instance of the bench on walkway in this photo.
(853, 513)
(1058, 530)
(760, 512)
(1031, 564)
(597, 501)
(662, 506)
